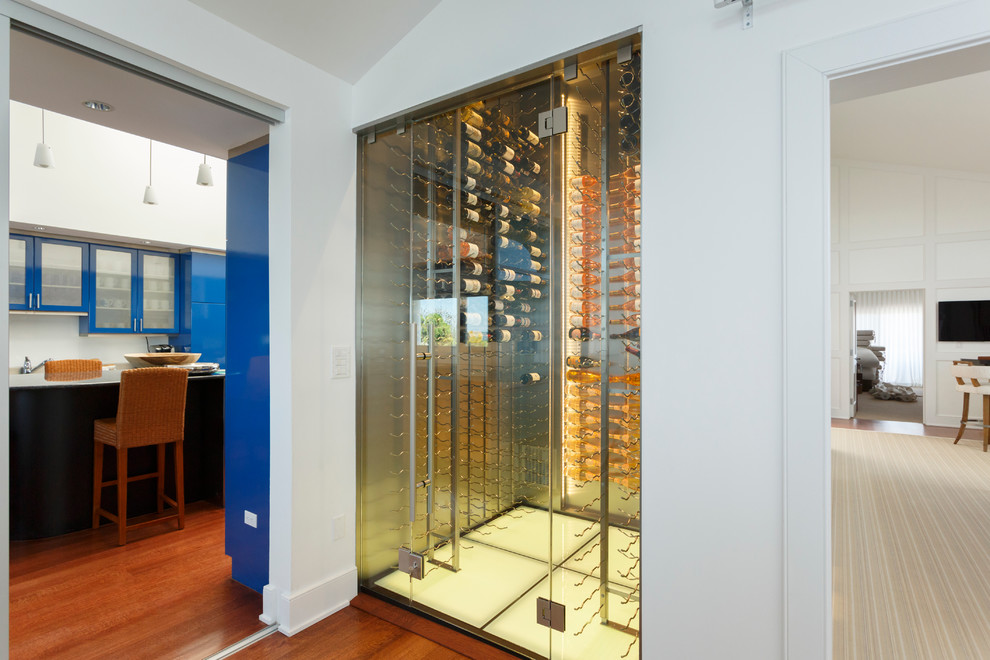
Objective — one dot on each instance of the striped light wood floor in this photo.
(911, 535)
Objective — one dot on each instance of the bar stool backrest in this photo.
(151, 409)
(53, 367)
(971, 377)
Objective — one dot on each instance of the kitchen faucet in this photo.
(28, 369)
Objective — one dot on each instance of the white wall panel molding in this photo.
(963, 260)
(962, 205)
(885, 204)
(870, 266)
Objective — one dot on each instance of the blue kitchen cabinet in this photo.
(48, 274)
(132, 291)
(204, 315)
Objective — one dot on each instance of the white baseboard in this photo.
(297, 611)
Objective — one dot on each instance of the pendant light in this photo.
(149, 193)
(43, 156)
(205, 176)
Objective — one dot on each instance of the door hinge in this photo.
(552, 122)
(550, 614)
(411, 562)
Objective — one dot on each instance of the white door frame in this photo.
(807, 72)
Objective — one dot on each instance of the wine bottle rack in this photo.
(499, 318)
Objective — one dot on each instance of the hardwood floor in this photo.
(166, 594)
(907, 428)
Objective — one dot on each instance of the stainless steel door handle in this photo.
(413, 341)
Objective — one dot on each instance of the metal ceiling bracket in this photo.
(401, 128)
(624, 54)
(371, 137)
(747, 14)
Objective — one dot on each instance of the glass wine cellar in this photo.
(499, 403)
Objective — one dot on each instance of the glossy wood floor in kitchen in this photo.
(166, 594)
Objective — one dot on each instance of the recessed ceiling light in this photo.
(146, 242)
(98, 105)
(39, 228)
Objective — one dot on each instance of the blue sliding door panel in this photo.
(208, 274)
(246, 401)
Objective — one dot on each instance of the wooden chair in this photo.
(972, 379)
(150, 411)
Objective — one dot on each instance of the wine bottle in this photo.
(631, 247)
(632, 350)
(627, 234)
(585, 307)
(583, 334)
(529, 207)
(584, 390)
(582, 376)
(628, 276)
(501, 227)
(629, 103)
(585, 279)
(498, 210)
(473, 150)
(511, 275)
(475, 269)
(582, 362)
(501, 150)
(631, 320)
(527, 166)
(471, 132)
(627, 408)
(529, 136)
(468, 198)
(584, 405)
(628, 143)
(587, 236)
(499, 335)
(631, 305)
(585, 293)
(529, 194)
(631, 290)
(532, 377)
(585, 224)
(630, 335)
(633, 186)
(468, 285)
(631, 172)
(585, 320)
(503, 166)
(529, 292)
(525, 236)
(584, 181)
(584, 210)
(630, 379)
(585, 264)
(585, 251)
(472, 318)
(584, 197)
(530, 335)
(472, 118)
(586, 417)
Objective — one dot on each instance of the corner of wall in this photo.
(297, 611)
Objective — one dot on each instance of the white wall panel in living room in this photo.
(885, 204)
(887, 264)
(963, 260)
(834, 204)
(948, 402)
(834, 268)
(961, 205)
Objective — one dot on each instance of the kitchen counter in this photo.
(108, 377)
(51, 451)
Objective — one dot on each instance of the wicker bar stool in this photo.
(72, 367)
(971, 379)
(150, 411)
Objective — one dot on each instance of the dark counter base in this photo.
(51, 456)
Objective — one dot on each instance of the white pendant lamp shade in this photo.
(205, 176)
(149, 193)
(43, 156)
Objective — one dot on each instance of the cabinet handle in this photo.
(30, 300)
(142, 324)
(135, 325)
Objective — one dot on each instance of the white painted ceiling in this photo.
(920, 118)
(56, 78)
(342, 37)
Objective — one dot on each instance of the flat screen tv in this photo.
(964, 320)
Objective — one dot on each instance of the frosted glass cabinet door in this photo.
(113, 291)
(19, 277)
(157, 293)
(59, 270)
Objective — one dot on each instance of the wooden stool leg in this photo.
(97, 482)
(965, 416)
(180, 485)
(161, 478)
(121, 495)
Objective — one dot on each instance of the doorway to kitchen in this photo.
(142, 135)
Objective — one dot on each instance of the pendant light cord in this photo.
(42, 126)
(149, 162)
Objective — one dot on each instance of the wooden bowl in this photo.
(160, 359)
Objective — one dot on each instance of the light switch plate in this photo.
(250, 519)
(341, 362)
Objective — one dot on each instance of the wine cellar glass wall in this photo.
(499, 361)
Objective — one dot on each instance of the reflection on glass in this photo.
(17, 256)
(61, 275)
(112, 291)
(159, 291)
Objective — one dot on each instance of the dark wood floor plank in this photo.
(906, 428)
(350, 634)
(166, 594)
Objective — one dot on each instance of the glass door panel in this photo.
(113, 277)
(61, 267)
(157, 293)
(20, 270)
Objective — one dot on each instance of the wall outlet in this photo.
(250, 519)
(341, 361)
(339, 525)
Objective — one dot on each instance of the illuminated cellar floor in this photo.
(504, 570)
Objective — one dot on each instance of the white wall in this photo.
(42, 336)
(97, 184)
(712, 302)
(903, 227)
(311, 278)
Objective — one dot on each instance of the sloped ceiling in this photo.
(342, 37)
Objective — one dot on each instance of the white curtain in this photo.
(898, 318)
